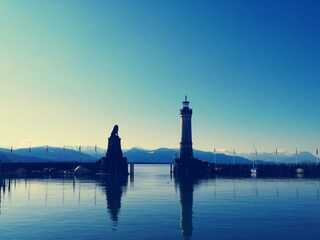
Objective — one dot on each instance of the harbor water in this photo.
(155, 205)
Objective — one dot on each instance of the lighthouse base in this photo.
(191, 167)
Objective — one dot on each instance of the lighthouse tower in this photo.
(186, 152)
(186, 164)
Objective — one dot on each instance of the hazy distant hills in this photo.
(161, 155)
(283, 157)
(166, 155)
(39, 154)
(139, 155)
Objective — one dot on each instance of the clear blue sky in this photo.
(70, 70)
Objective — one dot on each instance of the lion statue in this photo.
(115, 131)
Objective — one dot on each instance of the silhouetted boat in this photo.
(253, 170)
(21, 172)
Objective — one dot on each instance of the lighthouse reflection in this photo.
(186, 187)
(114, 187)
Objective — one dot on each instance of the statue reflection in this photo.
(186, 187)
(2, 186)
(114, 187)
(4, 183)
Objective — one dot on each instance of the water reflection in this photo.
(259, 190)
(114, 187)
(98, 202)
(186, 187)
(2, 186)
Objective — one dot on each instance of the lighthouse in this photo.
(186, 152)
(185, 164)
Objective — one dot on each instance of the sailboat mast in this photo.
(234, 153)
(11, 154)
(256, 156)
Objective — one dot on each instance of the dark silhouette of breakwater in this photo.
(265, 170)
(10, 168)
(224, 170)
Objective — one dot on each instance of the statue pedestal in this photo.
(114, 163)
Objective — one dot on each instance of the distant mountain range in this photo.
(283, 157)
(166, 155)
(40, 154)
(139, 155)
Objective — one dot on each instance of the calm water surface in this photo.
(155, 206)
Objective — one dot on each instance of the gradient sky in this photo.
(71, 70)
